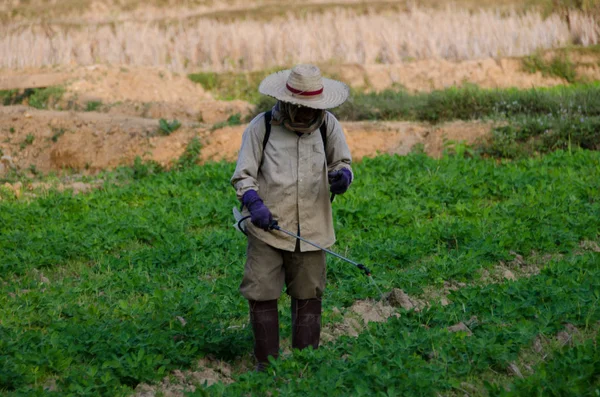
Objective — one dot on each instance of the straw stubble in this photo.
(335, 36)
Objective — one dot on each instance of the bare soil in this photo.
(435, 74)
(129, 102)
(208, 372)
(91, 141)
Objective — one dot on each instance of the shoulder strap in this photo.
(267, 134)
(323, 130)
(267, 129)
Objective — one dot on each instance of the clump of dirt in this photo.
(460, 327)
(350, 326)
(517, 268)
(514, 370)
(112, 83)
(369, 139)
(398, 298)
(439, 294)
(208, 372)
(590, 246)
(369, 311)
(465, 326)
(359, 315)
(568, 335)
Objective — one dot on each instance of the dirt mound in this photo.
(112, 83)
(128, 103)
(139, 91)
(206, 111)
(362, 312)
(368, 139)
(88, 141)
(356, 318)
(435, 74)
(53, 140)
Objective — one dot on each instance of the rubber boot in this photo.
(265, 326)
(306, 323)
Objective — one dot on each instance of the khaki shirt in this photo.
(292, 180)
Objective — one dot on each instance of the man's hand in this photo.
(259, 213)
(339, 180)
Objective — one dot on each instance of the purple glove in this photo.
(339, 180)
(259, 213)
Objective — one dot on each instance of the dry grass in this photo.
(82, 11)
(333, 36)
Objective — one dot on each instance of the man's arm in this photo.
(337, 151)
(246, 171)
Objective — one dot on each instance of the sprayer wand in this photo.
(275, 226)
(358, 265)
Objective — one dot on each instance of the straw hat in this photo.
(304, 85)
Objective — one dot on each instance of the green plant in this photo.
(10, 97)
(11, 130)
(571, 371)
(534, 135)
(28, 141)
(190, 155)
(142, 169)
(457, 148)
(33, 169)
(418, 149)
(166, 128)
(229, 86)
(57, 133)
(234, 119)
(559, 66)
(470, 102)
(45, 98)
(92, 106)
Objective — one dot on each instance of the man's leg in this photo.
(306, 323)
(262, 285)
(305, 278)
(265, 326)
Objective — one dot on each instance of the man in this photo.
(291, 158)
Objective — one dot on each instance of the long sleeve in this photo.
(338, 153)
(245, 176)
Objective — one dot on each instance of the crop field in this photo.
(104, 291)
(475, 132)
(486, 264)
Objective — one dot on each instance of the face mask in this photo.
(302, 114)
(297, 118)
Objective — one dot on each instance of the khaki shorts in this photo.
(268, 269)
